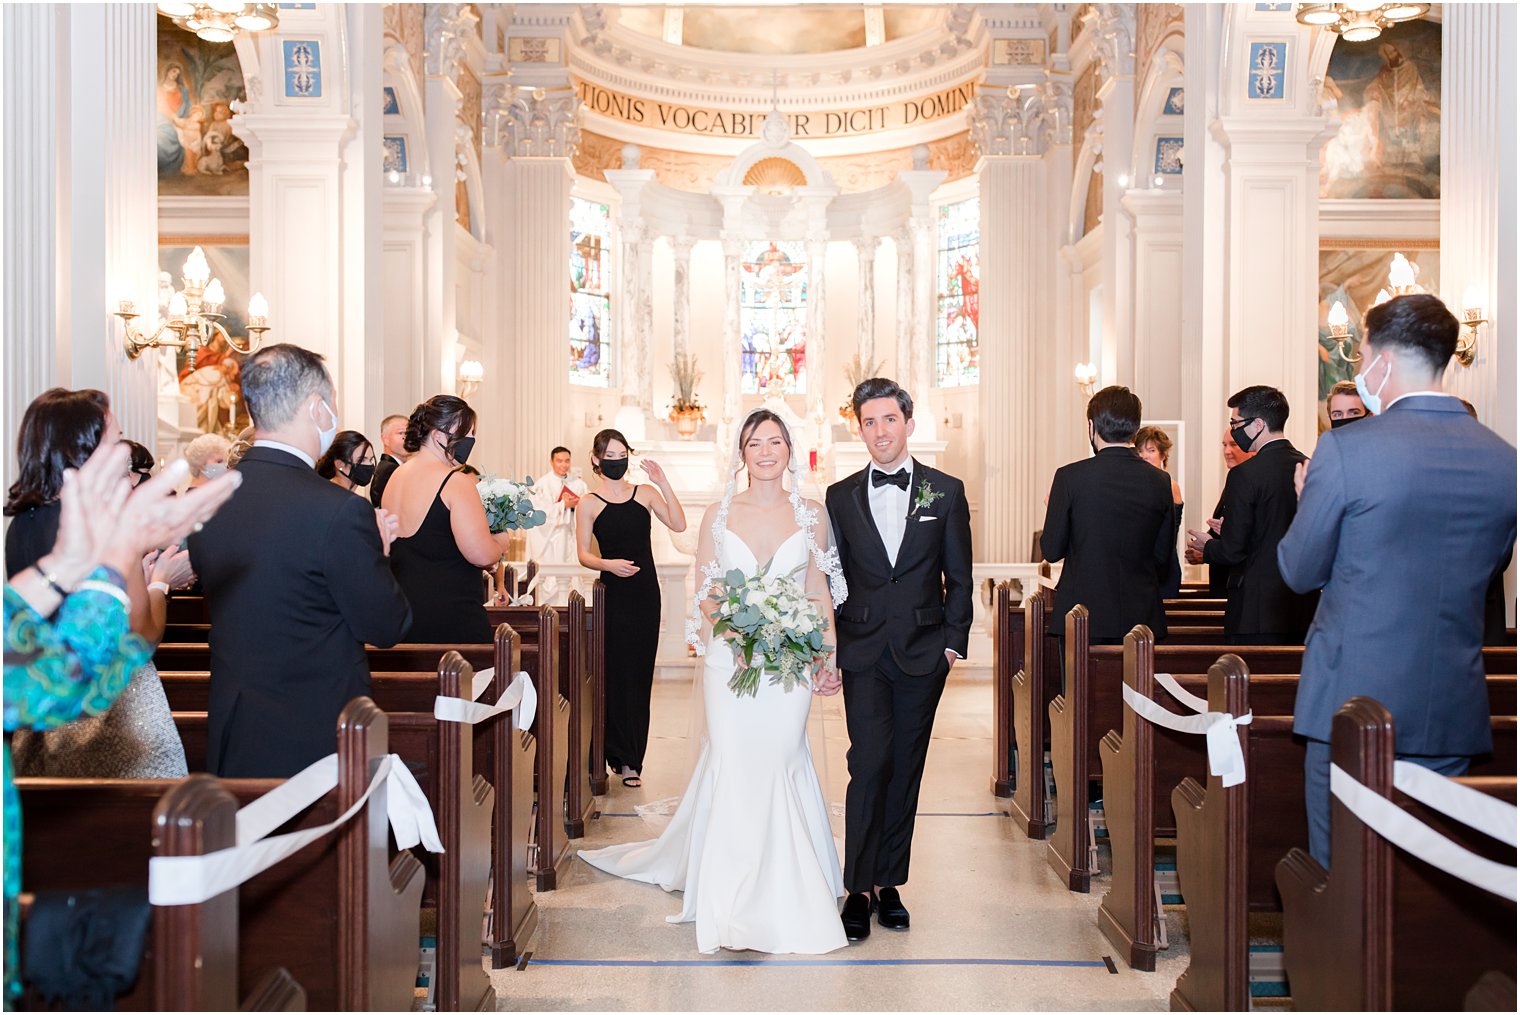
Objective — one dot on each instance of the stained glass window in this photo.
(773, 318)
(958, 273)
(590, 293)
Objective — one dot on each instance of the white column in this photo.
(31, 89)
(447, 27)
(404, 271)
(1478, 187)
(733, 250)
(1115, 50)
(903, 241)
(921, 360)
(643, 322)
(536, 261)
(362, 381)
(681, 247)
(865, 256)
(108, 237)
(1015, 258)
(817, 337)
(1156, 232)
(1273, 258)
(633, 354)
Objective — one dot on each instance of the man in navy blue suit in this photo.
(1402, 520)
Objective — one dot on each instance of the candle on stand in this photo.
(813, 460)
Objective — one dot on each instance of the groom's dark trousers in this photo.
(890, 716)
(903, 613)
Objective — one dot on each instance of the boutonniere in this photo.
(927, 495)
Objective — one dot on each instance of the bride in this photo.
(750, 844)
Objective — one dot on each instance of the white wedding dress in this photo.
(750, 844)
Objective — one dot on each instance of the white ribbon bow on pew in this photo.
(520, 692)
(526, 599)
(189, 880)
(1226, 759)
(1494, 818)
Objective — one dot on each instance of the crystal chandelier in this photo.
(1360, 21)
(195, 316)
(220, 20)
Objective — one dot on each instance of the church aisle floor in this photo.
(992, 927)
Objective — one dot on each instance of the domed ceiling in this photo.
(780, 30)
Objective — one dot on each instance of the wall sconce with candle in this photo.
(1086, 375)
(471, 373)
(1340, 332)
(195, 316)
(1472, 318)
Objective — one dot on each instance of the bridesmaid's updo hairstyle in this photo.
(447, 414)
(752, 423)
(599, 445)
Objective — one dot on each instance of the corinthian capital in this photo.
(527, 122)
(447, 27)
(1010, 123)
(1116, 40)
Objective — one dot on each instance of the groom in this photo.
(904, 536)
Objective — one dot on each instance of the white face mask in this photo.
(1373, 400)
(325, 437)
(214, 470)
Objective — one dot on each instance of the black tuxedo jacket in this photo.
(297, 583)
(1110, 519)
(1259, 506)
(383, 469)
(919, 607)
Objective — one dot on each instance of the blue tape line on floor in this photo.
(665, 963)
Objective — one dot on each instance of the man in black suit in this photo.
(1258, 507)
(903, 531)
(295, 573)
(393, 453)
(1110, 518)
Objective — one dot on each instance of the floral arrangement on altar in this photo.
(855, 372)
(508, 503)
(776, 629)
(686, 412)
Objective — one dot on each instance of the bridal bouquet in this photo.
(777, 629)
(508, 503)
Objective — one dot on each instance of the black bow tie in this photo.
(898, 479)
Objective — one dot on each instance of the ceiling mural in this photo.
(789, 31)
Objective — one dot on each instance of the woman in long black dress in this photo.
(447, 539)
(617, 514)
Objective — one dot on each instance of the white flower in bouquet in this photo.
(508, 503)
(776, 629)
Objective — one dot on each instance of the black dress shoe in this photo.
(890, 910)
(856, 916)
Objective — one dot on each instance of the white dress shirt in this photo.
(303, 456)
(889, 506)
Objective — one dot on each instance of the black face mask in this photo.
(360, 475)
(614, 468)
(462, 448)
(1238, 435)
(1336, 424)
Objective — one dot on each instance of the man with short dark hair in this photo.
(1110, 518)
(393, 443)
(1402, 521)
(294, 570)
(1259, 503)
(557, 494)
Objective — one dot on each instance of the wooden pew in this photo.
(1007, 657)
(1384, 931)
(341, 915)
(1142, 767)
(1075, 732)
(1033, 688)
(194, 949)
(504, 756)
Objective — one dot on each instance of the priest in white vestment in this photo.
(557, 493)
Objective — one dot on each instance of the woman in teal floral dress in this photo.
(69, 650)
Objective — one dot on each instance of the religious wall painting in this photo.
(1084, 101)
(1352, 274)
(393, 149)
(957, 286)
(773, 293)
(392, 105)
(1267, 71)
(198, 154)
(214, 385)
(1153, 23)
(470, 105)
(1169, 156)
(1173, 104)
(1092, 208)
(1387, 94)
(303, 68)
(590, 293)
